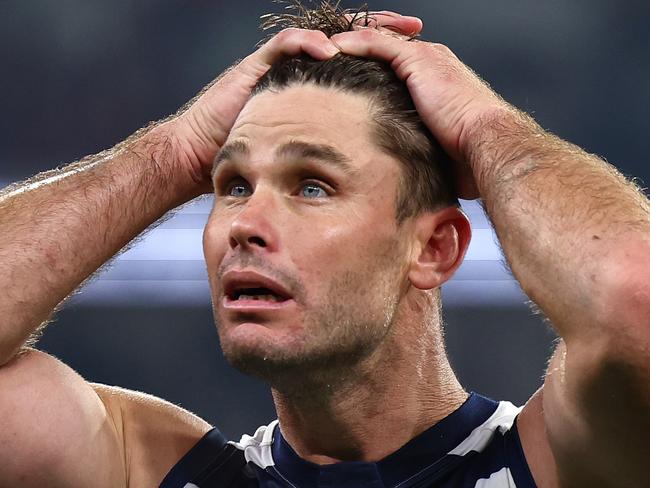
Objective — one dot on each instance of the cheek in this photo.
(326, 252)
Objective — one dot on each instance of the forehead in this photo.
(308, 114)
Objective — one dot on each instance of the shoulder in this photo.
(155, 433)
(214, 461)
(59, 430)
(55, 430)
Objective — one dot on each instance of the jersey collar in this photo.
(422, 454)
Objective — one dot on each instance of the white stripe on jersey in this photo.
(502, 419)
(257, 448)
(500, 479)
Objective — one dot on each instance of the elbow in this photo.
(625, 311)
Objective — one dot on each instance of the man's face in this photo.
(305, 265)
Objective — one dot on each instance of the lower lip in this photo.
(254, 305)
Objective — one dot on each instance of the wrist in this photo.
(497, 142)
(167, 162)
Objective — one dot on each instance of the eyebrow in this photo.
(320, 152)
(295, 150)
(230, 151)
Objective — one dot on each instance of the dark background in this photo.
(79, 76)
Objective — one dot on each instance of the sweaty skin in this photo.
(575, 233)
(57, 429)
(346, 353)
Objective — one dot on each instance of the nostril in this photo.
(257, 241)
(250, 241)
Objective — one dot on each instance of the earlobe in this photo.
(441, 240)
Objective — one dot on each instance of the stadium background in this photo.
(80, 76)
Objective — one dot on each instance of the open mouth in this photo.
(256, 294)
(247, 289)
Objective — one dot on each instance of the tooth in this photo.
(268, 298)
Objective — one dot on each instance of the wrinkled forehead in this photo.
(314, 124)
(310, 114)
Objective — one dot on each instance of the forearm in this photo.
(59, 230)
(61, 226)
(572, 228)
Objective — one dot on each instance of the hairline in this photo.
(374, 108)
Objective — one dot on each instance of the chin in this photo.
(291, 366)
(297, 350)
(260, 350)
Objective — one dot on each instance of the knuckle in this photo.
(315, 35)
(367, 34)
(441, 50)
(290, 35)
(286, 34)
(295, 35)
(421, 48)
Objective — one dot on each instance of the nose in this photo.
(252, 227)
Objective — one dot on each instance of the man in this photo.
(325, 289)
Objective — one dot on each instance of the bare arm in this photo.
(574, 230)
(577, 236)
(60, 227)
(63, 225)
(57, 430)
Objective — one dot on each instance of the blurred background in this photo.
(79, 76)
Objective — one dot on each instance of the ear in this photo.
(441, 239)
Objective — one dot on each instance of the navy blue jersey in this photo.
(477, 446)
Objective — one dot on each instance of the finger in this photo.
(368, 43)
(404, 24)
(293, 42)
(231, 91)
(387, 20)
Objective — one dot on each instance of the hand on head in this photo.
(450, 98)
(202, 128)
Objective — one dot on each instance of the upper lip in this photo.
(234, 280)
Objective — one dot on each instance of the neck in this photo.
(405, 387)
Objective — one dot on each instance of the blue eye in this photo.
(239, 190)
(312, 190)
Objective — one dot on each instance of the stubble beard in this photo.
(337, 336)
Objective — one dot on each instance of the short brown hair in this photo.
(427, 182)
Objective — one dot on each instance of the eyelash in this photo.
(239, 181)
(320, 184)
(231, 184)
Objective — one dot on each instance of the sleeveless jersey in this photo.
(477, 446)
